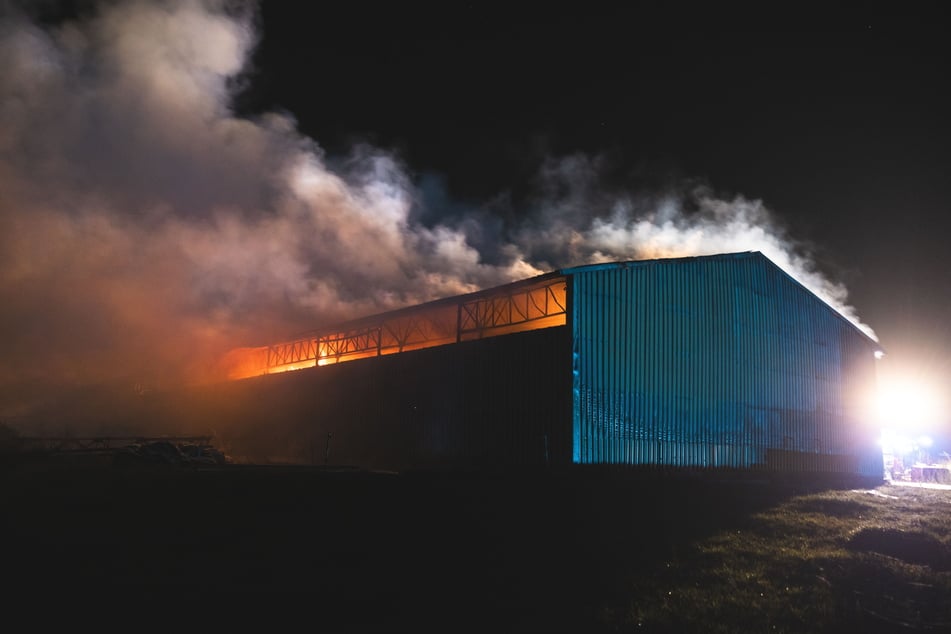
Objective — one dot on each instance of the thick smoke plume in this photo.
(145, 229)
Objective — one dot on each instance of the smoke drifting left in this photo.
(145, 229)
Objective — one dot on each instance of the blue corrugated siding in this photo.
(721, 361)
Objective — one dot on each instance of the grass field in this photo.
(578, 550)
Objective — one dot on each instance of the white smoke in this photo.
(578, 221)
(144, 228)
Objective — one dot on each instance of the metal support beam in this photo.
(514, 308)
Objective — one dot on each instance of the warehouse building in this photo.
(713, 361)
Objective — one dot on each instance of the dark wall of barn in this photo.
(499, 401)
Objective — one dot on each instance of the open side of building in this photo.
(713, 361)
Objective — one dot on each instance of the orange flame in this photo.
(243, 363)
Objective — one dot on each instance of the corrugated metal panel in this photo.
(722, 361)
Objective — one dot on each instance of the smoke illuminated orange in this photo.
(243, 363)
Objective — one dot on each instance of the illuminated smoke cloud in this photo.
(145, 229)
(578, 220)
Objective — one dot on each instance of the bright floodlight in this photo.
(906, 405)
(895, 443)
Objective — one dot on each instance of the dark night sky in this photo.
(838, 122)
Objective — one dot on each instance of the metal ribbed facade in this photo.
(719, 361)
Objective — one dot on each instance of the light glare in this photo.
(906, 405)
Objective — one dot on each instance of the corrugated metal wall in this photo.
(716, 361)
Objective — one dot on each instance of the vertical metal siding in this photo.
(721, 361)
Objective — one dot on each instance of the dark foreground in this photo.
(579, 551)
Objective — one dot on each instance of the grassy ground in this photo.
(560, 551)
(853, 560)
